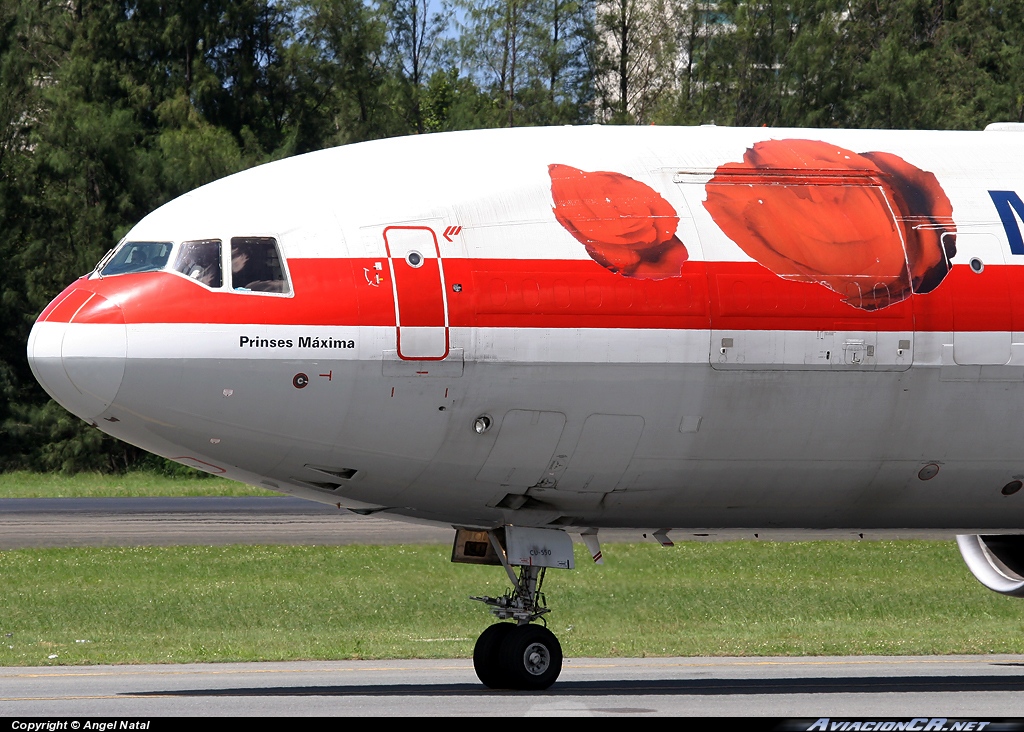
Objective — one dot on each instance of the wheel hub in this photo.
(537, 658)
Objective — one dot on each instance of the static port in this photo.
(1012, 487)
(481, 424)
(928, 472)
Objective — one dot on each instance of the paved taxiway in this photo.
(962, 686)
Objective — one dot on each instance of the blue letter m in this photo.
(1006, 203)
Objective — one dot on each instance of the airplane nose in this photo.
(77, 352)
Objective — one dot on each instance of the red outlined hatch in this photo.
(421, 303)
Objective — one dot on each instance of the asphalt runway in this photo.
(214, 521)
(207, 521)
(808, 688)
(27, 523)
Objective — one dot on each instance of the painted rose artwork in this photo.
(625, 225)
(869, 226)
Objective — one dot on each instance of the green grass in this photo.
(97, 485)
(179, 604)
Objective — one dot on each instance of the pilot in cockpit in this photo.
(256, 266)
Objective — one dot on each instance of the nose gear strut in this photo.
(524, 603)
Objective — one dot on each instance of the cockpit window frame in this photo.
(282, 260)
(99, 270)
(178, 248)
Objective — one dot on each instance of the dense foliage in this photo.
(110, 108)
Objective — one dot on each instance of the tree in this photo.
(534, 57)
(636, 58)
(341, 74)
(979, 65)
(414, 38)
(564, 45)
(495, 45)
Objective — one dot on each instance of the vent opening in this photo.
(338, 473)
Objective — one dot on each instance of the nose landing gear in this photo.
(517, 655)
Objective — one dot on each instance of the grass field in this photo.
(136, 605)
(96, 485)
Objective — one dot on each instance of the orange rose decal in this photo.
(869, 226)
(625, 225)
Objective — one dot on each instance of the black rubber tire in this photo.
(487, 656)
(532, 657)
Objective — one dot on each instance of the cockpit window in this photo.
(200, 260)
(138, 256)
(256, 265)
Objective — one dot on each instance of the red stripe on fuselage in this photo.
(516, 293)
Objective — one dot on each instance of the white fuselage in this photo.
(662, 327)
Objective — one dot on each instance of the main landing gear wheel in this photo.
(526, 657)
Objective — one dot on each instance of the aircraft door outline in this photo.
(420, 292)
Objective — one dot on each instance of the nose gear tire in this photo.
(487, 656)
